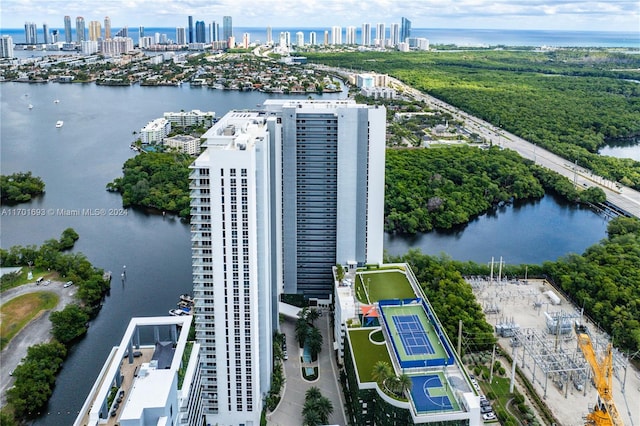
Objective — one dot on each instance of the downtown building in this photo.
(278, 197)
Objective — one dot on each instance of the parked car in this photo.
(68, 284)
(489, 416)
(486, 409)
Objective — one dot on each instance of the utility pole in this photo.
(493, 360)
(513, 369)
(460, 338)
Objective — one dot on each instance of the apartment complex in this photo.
(279, 196)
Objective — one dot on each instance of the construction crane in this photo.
(604, 412)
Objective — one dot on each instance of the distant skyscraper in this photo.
(214, 32)
(190, 29)
(269, 36)
(45, 33)
(6, 46)
(336, 35)
(405, 30)
(201, 34)
(107, 27)
(380, 34)
(30, 33)
(54, 36)
(351, 35)
(80, 30)
(300, 39)
(95, 31)
(326, 37)
(313, 41)
(227, 28)
(394, 34)
(246, 40)
(366, 35)
(123, 32)
(140, 34)
(67, 29)
(181, 37)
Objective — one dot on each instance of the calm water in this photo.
(623, 149)
(528, 232)
(79, 159)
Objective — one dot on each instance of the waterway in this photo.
(77, 160)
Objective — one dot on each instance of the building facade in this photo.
(30, 33)
(67, 29)
(80, 30)
(232, 275)
(155, 131)
(6, 46)
(332, 155)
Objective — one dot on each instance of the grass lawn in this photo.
(17, 312)
(22, 278)
(500, 388)
(366, 353)
(383, 285)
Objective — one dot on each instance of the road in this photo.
(37, 331)
(624, 197)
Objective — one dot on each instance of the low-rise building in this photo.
(184, 143)
(151, 378)
(155, 131)
(191, 118)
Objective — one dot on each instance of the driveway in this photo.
(37, 331)
(289, 411)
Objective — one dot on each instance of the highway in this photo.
(621, 196)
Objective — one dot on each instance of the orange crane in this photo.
(604, 412)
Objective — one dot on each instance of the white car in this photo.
(68, 284)
(489, 416)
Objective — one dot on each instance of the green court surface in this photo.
(383, 285)
(366, 354)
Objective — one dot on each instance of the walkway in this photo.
(289, 411)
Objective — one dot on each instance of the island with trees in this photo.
(20, 187)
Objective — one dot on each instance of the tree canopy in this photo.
(20, 187)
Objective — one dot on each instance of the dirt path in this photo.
(37, 331)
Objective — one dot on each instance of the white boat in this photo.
(176, 312)
(59, 123)
(57, 101)
(30, 106)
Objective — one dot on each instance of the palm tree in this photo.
(381, 371)
(314, 340)
(312, 393)
(402, 384)
(313, 315)
(310, 417)
(302, 330)
(324, 408)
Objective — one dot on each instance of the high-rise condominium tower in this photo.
(201, 32)
(30, 33)
(394, 34)
(107, 27)
(233, 282)
(45, 33)
(405, 30)
(95, 31)
(190, 35)
(181, 38)
(67, 29)
(332, 190)
(80, 30)
(227, 28)
(380, 35)
(272, 188)
(366, 35)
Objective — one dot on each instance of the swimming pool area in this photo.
(306, 358)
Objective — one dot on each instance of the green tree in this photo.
(314, 341)
(301, 330)
(69, 323)
(381, 371)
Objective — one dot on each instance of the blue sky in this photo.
(602, 15)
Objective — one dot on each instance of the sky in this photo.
(570, 15)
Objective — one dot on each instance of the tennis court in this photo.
(431, 393)
(414, 339)
(413, 336)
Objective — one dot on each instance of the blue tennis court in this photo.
(413, 335)
(423, 398)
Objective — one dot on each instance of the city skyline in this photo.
(615, 15)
